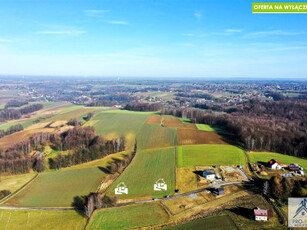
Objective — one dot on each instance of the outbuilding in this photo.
(219, 191)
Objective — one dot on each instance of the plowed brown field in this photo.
(197, 137)
(176, 123)
(154, 120)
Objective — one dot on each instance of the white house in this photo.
(209, 174)
(273, 164)
(262, 215)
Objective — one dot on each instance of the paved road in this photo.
(179, 195)
(127, 203)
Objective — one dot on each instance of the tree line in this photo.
(85, 146)
(12, 114)
(138, 106)
(100, 200)
(82, 142)
(273, 127)
(12, 129)
(15, 103)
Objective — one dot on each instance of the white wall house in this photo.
(275, 166)
(262, 214)
(209, 174)
(261, 218)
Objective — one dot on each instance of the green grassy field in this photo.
(185, 120)
(217, 222)
(205, 127)
(58, 188)
(154, 136)
(254, 157)
(146, 168)
(24, 123)
(192, 155)
(74, 111)
(128, 217)
(13, 183)
(111, 124)
(43, 220)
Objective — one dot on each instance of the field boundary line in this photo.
(122, 171)
(175, 169)
(36, 208)
(18, 190)
(166, 208)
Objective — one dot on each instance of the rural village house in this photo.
(209, 174)
(273, 164)
(262, 214)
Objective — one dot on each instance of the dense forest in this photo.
(82, 142)
(271, 126)
(12, 114)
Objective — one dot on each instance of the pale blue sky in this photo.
(170, 38)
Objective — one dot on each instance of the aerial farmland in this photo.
(140, 169)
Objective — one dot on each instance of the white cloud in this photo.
(188, 34)
(271, 33)
(5, 40)
(233, 31)
(198, 14)
(62, 32)
(96, 13)
(118, 22)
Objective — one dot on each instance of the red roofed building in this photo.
(262, 214)
(273, 164)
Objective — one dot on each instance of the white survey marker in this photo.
(121, 188)
(160, 185)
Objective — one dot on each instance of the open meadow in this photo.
(128, 217)
(193, 155)
(58, 188)
(255, 157)
(155, 136)
(39, 219)
(143, 172)
(186, 179)
(112, 124)
(14, 182)
(204, 127)
(74, 111)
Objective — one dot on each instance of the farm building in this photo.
(209, 174)
(262, 214)
(273, 164)
(295, 167)
(219, 191)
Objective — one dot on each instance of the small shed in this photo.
(294, 167)
(219, 191)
